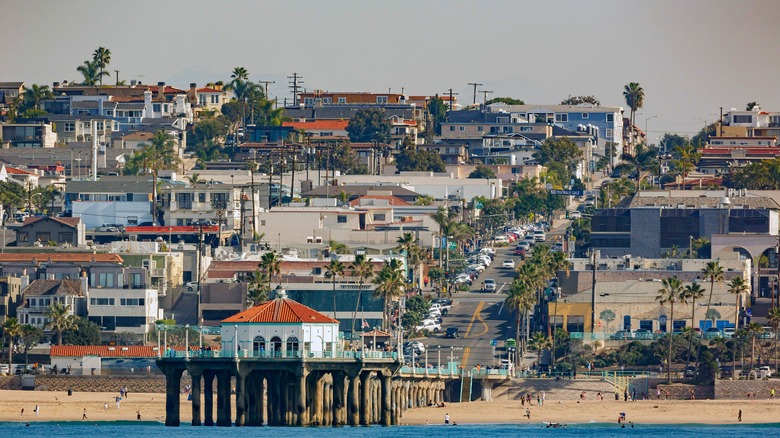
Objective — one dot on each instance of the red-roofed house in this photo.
(322, 129)
(19, 176)
(90, 359)
(40, 230)
(280, 327)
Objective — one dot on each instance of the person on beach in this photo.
(772, 393)
(105, 407)
(528, 413)
(447, 418)
(544, 395)
(21, 414)
(739, 415)
(36, 410)
(84, 414)
(138, 415)
(658, 393)
(633, 395)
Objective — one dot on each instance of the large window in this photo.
(611, 221)
(562, 118)
(748, 221)
(101, 301)
(132, 301)
(65, 237)
(342, 219)
(43, 237)
(575, 323)
(678, 226)
(742, 119)
(381, 100)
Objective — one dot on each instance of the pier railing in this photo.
(279, 354)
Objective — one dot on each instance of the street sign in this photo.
(493, 342)
(453, 245)
(749, 311)
(478, 205)
(567, 192)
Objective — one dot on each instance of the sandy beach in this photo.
(58, 406)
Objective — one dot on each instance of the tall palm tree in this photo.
(520, 299)
(686, 163)
(91, 73)
(36, 93)
(774, 321)
(159, 154)
(101, 57)
(12, 329)
(692, 292)
(408, 243)
(635, 99)
(363, 269)
(258, 288)
(540, 342)
(60, 319)
(332, 270)
(737, 286)
(753, 329)
(271, 264)
(671, 292)
(712, 272)
(389, 285)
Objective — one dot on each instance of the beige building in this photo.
(626, 289)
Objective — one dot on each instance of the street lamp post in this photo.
(426, 360)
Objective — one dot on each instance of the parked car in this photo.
(519, 251)
(766, 369)
(490, 285)
(191, 286)
(575, 215)
(444, 302)
(416, 345)
(452, 332)
(643, 334)
(463, 278)
(726, 371)
(5, 369)
(539, 236)
(442, 308)
(509, 263)
(712, 332)
(431, 326)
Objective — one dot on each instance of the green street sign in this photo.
(452, 245)
(478, 205)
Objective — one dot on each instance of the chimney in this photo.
(84, 283)
(25, 279)
(56, 85)
(193, 92)
(161, 90)
(148, 98)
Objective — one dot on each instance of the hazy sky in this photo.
(691, 57)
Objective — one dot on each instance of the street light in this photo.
(647, 133)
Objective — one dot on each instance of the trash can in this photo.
(762, 374)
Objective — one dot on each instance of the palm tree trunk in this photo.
(357, 305)
(334, 296)
(734, 340)
(671, 335)
(701, 337)
(517, 335)
(693, 333)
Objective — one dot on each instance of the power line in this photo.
(295, 83)
(475, 84)
(484, 95)
(265, 83)
(452, 100)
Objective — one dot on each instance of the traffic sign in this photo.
(493, 342)
(453, 245)
(567, 192)
(478, 205)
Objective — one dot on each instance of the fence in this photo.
(280, 354)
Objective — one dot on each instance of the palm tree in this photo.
(13, 330)
(36, 93)
(671, 292)
(712, 272)
(195, 178)
(258, 288)
(635, 99)
(713, 315)
(91, 72)
(271, 264)
(389, 284)
(333, 270)
(520, 299)
(774, 321)
(363, 269)
(408, 243)
(60, 319)
(753, 329)
(540, 342)
(737, 286)
(101, 57)
(692, 292)
(160, 154)
(686, 163)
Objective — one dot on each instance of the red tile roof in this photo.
(378, 333)
(60, 257)
(394, 200)
(319, 124)
(102, 351)
(208, 90)
(281, 310)
(15, 171)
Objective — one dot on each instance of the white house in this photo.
(131, 309)
(280, 328)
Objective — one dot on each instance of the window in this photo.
(585, 115)
(452, 128)
(23, 236)
(508, 129)
(342, 100)
(106, 279)
(43, 236)
(215, 98)
(381, 99)
(379, 216)
(611, 117)
(308, 101)
(201, 197)
(65, 237)
(69, 127)
(562, 118)
(342, 219)
(526, 128)
(101, 301)
(479, 129)
(156, 107)
(462, 128)
(742, 119)
(608, 133)
(110, 113)
(132, 220)
(132, 301)
(575, 323)
(327, 100)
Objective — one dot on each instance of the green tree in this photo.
(424, 200)
(692, 292)
(410, 245)
(774, 321)
(29, 337)
(671, 292)
(209, 129)
(84, 332)
(437, 111)
(750, 106)
(539, 342)
(712, 272)
(35, 94)
(369, 126)
(271, 264)
(738, 287)
(363, 269)
(686, 163)
(91, 72)
(332, 270)
(11, 330)
(258, 288)
(561, 152)
(482, 172)
(159, 154)
(635, 99)
(389, 285)
(343, 158)
(60, 319)
(578, 100)
(761, 175)
(505, 100)
(520, 299)
(415, 160)
(102, 57)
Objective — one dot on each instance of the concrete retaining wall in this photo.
(738, 389)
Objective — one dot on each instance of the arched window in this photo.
(276, 346)
(258, 346)
(292, 346)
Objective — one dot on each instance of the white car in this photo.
(539, 236)
(509, 263)
(429, 325)
(767, 369)
(463, 278)
(487, 250)
(478, 267)
(490, 285)
(5, 369)
(438, 307)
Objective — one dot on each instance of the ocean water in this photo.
(140, 429)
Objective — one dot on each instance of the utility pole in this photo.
(475, 85)
(241, 224)
(295, 83)
(484, 95)
(593, 295)
(265, 86)
(452, 99)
